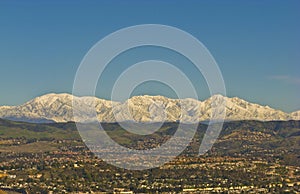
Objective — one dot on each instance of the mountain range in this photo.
(58, 108)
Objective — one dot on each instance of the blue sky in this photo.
(255, 43)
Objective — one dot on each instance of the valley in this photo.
(250, 156)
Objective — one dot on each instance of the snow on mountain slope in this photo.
(55, 107)
(157, 108)
(295, 115)
(58, 108)
(238, 109)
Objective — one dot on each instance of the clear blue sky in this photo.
(256, 44)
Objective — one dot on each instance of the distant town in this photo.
(55, 165)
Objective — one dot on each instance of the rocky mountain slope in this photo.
(58, 108)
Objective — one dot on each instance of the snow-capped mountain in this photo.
(58, 108)
(296, 115)
(54, 108)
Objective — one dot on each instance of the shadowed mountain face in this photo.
(58, 108)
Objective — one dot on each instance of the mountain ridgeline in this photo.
(58, 108)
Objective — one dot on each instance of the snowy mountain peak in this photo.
(296, 115)
(58, 108)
